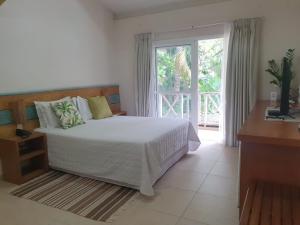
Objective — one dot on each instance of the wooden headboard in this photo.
(7, 120)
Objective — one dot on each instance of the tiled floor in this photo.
(201, 189)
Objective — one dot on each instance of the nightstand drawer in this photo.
(28, 146)
(24, 159)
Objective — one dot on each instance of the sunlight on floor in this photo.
(210, 135)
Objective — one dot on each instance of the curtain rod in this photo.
(199, 26)
(190, 28)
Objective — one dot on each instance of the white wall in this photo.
(48, 44)
(280, 32)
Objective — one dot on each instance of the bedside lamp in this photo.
(18, 108)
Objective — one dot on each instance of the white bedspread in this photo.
(126, 150)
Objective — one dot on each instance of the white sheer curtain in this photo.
(227, 30)
(143, 68)
(241, 75)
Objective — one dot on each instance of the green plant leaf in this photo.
(276, 71)
(275, 82)
(290, 55)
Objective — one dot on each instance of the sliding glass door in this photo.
(176, 80)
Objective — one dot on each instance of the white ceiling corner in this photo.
(130, 8)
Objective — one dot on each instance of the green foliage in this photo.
(210, 54)
(176, 61)
(290, 55)
(174, 74)
(174, 71)
(276, 71)
(210, 65)
(174, 68)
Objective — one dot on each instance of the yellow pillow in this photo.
(99, 107)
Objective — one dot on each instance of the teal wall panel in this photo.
(6, 117)
(114, 99)
(31, 113)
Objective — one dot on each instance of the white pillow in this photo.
(42, 119)
(74, 100)
(84, 108)
(48, 116)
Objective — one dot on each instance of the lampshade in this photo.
(18, 108)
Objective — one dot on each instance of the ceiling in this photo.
(130, 8)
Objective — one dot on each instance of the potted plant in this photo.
(276, 71)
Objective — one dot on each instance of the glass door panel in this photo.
(210, 57)
(174, 81)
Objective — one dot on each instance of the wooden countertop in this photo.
(257, 130)
(19, 139)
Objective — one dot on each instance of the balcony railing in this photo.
(172, 104)
(209, 109)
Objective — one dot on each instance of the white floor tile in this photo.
(167, 200)
(192, 162)
(143, 216)
(210, 151)
(229, 155)
(212, 210)
(225, 170)
(187, 180)
(184, 221)
(220, 186)
(17, 211)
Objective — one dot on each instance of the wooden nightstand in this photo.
(122, 113)
(24, 159)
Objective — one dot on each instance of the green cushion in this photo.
(68, 114)
(99, 107)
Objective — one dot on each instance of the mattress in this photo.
(131, 151)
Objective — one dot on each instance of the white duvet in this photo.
(132, 151)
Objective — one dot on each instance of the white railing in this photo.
(209, 109)
(172, 104)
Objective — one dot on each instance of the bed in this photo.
(129, 151)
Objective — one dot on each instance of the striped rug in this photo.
(86, 197)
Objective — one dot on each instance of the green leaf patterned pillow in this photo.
(68, 114)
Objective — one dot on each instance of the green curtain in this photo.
(241, 76)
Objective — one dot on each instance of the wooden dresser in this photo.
(270, 151)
